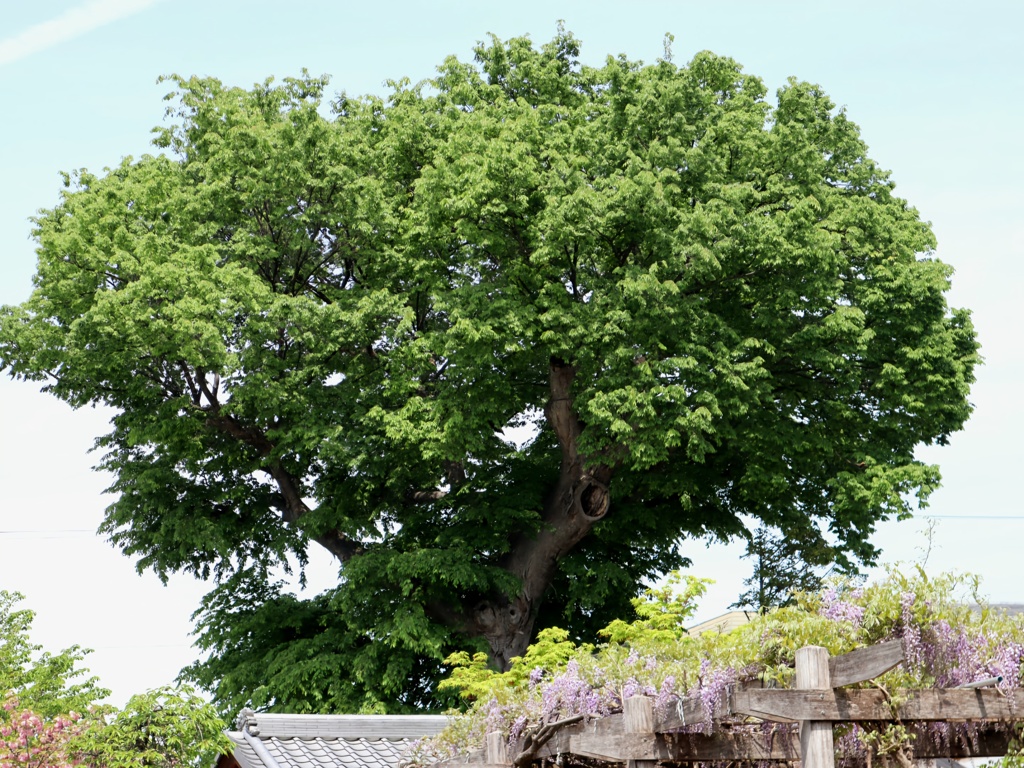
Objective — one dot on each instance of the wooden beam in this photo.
(497, 749)
(817, 748)
(688, 711)
(684, 747)
(864, 663)
(612, 745)
(638, 718)
(987, 743)
(724, 745)
(638, 715)
(610, 725)
(558, 744)
(841, 705)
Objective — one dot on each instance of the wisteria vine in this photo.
(950, 637)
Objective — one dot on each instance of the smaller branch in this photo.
(210, 396)
(192, 388)
(423, 497)
(535, 739)
(230, 426)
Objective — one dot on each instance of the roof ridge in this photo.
(371, 727)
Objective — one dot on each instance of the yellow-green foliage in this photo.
(662, 612)
(475, 680)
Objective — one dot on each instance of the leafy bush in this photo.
(51, 715)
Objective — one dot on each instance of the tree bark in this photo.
(579, 500)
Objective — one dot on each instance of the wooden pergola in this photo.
(641, 737)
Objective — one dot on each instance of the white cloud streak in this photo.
(69, 25)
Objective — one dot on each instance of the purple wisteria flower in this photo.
(536, 675)
(568, 694)
(666, 695)
(910, 633)
(1008, 663)
(712, 688)
(495, 717)
(833, 607)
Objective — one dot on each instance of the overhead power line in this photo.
(973, 517)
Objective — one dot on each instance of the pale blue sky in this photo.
(935, 86)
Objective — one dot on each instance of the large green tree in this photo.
(498, 342)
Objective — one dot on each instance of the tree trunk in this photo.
(578, 501)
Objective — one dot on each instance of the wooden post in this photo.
(816, 747)
(638, 717)
(497, 749)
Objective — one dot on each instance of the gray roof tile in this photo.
(328, 741)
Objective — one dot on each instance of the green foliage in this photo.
(661, 613)
(475, 680)
(282, 654)
(49, 684)
(164, 728)
(321, 330)
(783, 566)
(53, 712)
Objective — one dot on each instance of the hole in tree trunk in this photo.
(594, 500)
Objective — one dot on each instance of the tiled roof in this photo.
(328, 741)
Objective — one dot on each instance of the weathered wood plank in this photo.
(988, 743)
(611, 725)
(722, 746)
(497, 749)
(837, 705)
(638, 717)
(475, 757)
(864, 663)
(638, 714)
(613, 746)
(558, 744)
(959, 704)
(687, 711)
(682, 747)
(608, 725)
(816, 743)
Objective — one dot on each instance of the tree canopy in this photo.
(497, 341)
(782, 567)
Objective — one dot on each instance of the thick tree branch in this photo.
(294, 508)
(193, 390)
(534, 739)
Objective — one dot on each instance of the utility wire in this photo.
(58, 532)
(47, 531)
(972, 517)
